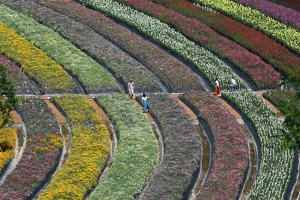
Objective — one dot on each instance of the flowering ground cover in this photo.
(285, 15)
(88, 154)
(40, 157)
(208, 64)
(136, 154)
(287, 35)
(182, 149)
(294, 4)
(161, 63)
(121, 64)
(50, 76)
(8, 137)
(21, 82)
(263, 74)
(92, 76)
(256, 41)
(279, 97)
(275, 167)
(230, 159)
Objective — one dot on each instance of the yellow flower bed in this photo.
(34, 61)
(89, 151)
(7, 143)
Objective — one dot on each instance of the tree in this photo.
(292, 112)
(7, 97)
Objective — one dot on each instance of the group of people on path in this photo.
(217, 86)
(145, 103)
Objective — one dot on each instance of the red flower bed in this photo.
(230, 143)
(265, 47)
(263, 74)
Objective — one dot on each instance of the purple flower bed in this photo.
(263, 74)
(121, 64)
(283, 14)
(40, 157)
(20, 80)
(230, 159)
(182, 148)
(161, 63)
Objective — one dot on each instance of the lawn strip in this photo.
(136, 154)
(92, 76)
(121, 64)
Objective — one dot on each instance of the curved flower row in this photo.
(136, 153)
(230, 143)
(203, 60)
(43, 149)
(152, 56)
(182, 149)
(275, 168)
(256, 41)
(21, 82)
(50, 76)
(285, 15)
(289, 36)
(115, 59)
(7, 145)
(92, 76)
(288, 3)
(88, 154)
(263, 74)
(279, 97)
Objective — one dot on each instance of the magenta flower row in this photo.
(160, 62)
(230, 143)
(40, 155)
(263, 74)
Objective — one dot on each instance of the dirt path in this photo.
(280, 114)
(192, 115)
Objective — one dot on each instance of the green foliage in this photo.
(7, 97)
(292, 112)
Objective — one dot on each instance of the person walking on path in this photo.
(217, 88)
(131, 88)
(233, 84)
(145, 103)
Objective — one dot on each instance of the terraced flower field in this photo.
(72, 60)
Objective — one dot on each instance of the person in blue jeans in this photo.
(145, 103)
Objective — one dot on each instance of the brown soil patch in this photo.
(99, 110)
(59, 117)
(230, 109)
(192, 115)
(280, 115)
(16, 118)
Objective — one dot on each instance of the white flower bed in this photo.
(202, 59)
(275, 167)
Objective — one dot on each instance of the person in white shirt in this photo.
(217, 88)
(233, 84)
(145, 103)
(130, 88)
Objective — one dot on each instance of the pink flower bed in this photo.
(265, 47)
(263, 74)
(161, 63)
(19, 79)
(230, 159)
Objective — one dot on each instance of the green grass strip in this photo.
(92, 76)
(136, 154)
